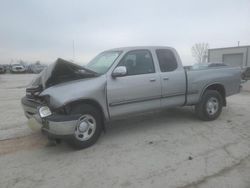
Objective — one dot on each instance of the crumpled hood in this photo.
(59, 72)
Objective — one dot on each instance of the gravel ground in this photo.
(12, 89)
(167, 149)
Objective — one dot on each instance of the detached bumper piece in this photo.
(54, 125)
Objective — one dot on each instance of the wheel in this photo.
(210, 106)
(89, 126)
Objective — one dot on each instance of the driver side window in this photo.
(138, 62)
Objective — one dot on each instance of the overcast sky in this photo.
(44, 30)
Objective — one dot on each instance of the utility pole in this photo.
(73, 50)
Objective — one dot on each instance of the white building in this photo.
(233, 56)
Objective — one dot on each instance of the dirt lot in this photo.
(168, 149)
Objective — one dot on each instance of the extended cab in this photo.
(70, 101)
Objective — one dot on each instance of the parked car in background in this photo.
(7, 67)
(17, 68)
(74, 102)
(34, 68)
(2, 69)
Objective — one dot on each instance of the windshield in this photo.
(102, 62)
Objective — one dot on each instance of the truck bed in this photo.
(199, 79)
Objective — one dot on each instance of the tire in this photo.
(210, 106)
(91, 115)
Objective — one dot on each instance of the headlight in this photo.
(44, 111)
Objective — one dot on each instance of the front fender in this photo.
(91, 88)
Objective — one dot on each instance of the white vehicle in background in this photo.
(37, 68)
(17, 68)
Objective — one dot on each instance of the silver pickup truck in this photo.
(74, 102)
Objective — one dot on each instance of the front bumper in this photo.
(55, 125)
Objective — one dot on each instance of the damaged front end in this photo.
(41, 114)
(53, 123)
(59, 72)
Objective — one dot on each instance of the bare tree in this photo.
(200, 52)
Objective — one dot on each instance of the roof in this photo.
(246, 46)
(139, 47)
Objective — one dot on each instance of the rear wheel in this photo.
(89, 126)
(210, 106)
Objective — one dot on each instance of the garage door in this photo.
(234, 60)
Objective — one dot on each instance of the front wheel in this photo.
(210, 106)
(89, 126)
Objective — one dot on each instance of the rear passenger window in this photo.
(166, 60)
(138, 62)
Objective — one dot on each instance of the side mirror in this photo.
(119, 71)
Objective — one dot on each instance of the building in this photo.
(233, 56)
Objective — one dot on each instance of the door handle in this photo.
(166, 78)
(152, 80)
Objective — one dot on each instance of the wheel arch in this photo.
(216, 87)
(91, 102)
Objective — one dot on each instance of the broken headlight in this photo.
(44, 111)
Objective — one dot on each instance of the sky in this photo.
(44, 30)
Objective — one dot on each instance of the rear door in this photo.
(172, 77)
(139, 90)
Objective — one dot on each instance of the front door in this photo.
(139, 90)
